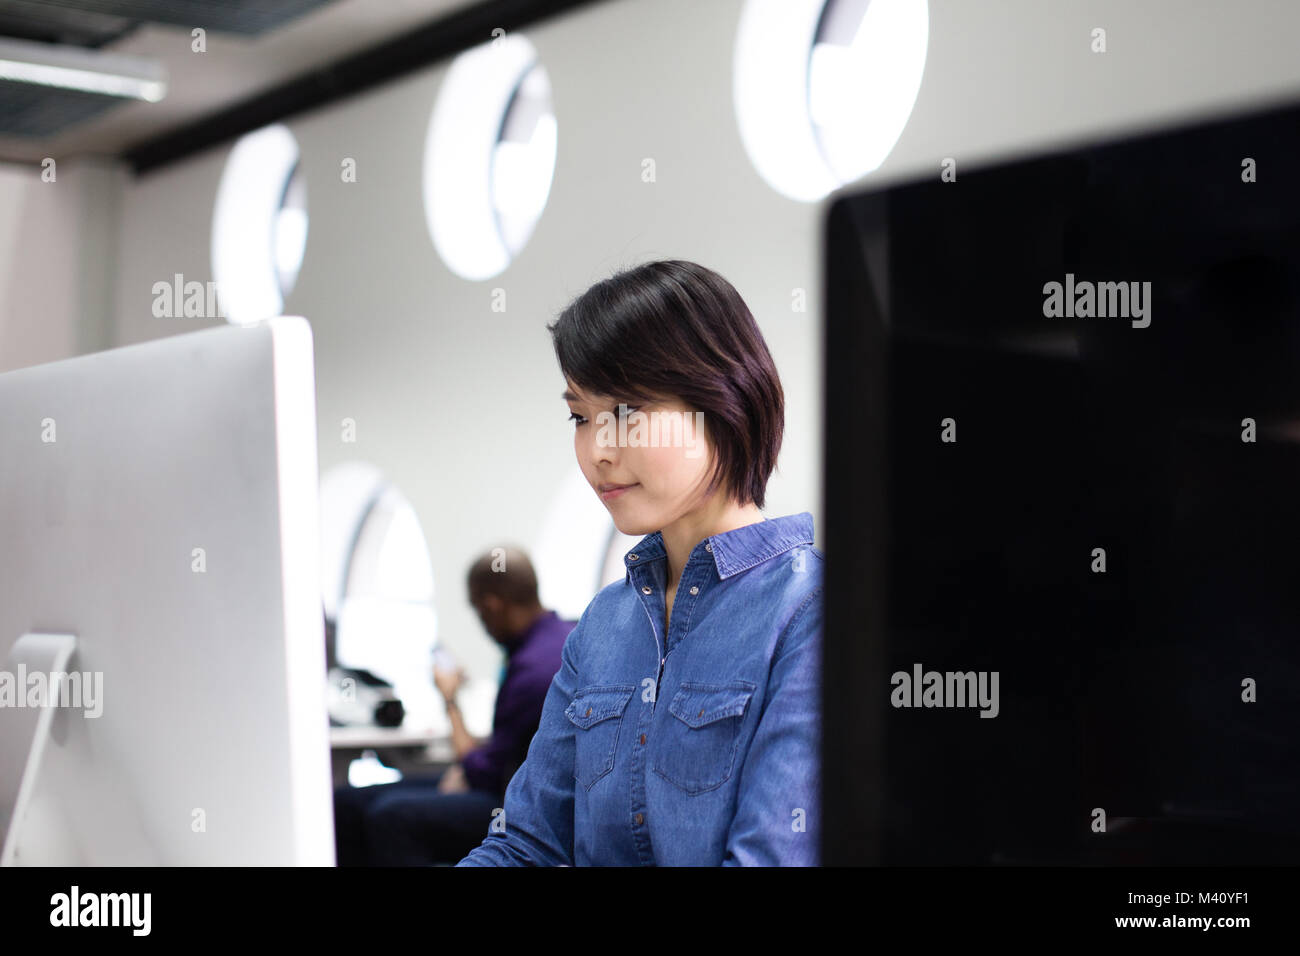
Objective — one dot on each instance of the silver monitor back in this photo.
(159, 521)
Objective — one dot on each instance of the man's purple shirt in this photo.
(532, 665)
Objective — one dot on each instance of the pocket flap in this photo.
(699, 704)
(591, 705)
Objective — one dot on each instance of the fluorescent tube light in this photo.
(74, 68)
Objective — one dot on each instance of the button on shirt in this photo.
(699, 747)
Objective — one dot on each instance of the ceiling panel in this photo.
(37, 111)
(265, 60)
(44, 22)
(34, 112)
(247, 17)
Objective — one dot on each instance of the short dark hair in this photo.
(674, 328)
(506, 572)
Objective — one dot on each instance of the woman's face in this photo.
(659, 452)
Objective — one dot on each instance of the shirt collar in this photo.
(532, 631)
(736, 550)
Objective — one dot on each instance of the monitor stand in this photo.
(25, 730)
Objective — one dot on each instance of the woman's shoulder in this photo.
(613, 594)
(798, 567)
(610, 600)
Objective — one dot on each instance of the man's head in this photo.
(503, 590)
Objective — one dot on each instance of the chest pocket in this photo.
(697, 749)
(597, 716)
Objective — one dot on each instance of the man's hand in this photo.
(449, 678)
(453, 781)
(448, 682)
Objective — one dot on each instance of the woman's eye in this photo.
(576, 419)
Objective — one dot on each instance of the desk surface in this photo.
(410, 751)
(366, 737)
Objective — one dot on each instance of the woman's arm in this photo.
(777, 811)
(536, 825)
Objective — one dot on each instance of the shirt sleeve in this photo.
(535, 827)
(779, 800)
(519, 702)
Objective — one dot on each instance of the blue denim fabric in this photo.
(716, 761)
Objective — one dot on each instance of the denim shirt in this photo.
(696, 748)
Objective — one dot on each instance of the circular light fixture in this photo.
(489, 156)
(824, 88)
(291, 230)
(259, 225)
(377, 583)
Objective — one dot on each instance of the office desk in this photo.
(410, 751)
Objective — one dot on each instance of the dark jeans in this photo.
(409, 823)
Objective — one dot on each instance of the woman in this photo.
(683, 727)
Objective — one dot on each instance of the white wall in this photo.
(1008, 76)
(58, 245)
(460, 404)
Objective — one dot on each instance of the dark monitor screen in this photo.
(1062, 476)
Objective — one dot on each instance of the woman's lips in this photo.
(615, 492)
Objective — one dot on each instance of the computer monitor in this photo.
(1062, 451)
(159, 536)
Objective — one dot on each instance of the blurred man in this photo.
(439, 819)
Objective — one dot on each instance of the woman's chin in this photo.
(629, 525)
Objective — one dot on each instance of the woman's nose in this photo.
(602, 448)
